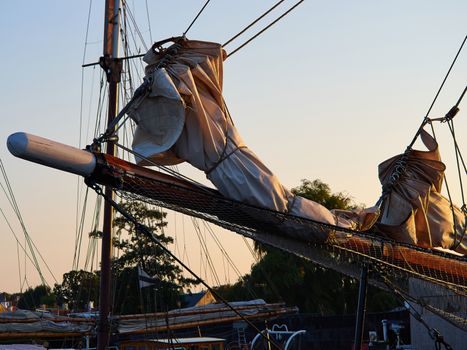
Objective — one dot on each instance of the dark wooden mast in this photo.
(112, 66)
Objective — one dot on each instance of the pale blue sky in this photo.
(329, 92)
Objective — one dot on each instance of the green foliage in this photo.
(320, 192)
(139, 250)
(34, 298)
(130, 299)
(135, 249)
(283, 277)
(77, 289)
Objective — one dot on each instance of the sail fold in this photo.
(184, 118)
(210, 141)
(413, 209)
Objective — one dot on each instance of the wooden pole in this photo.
(112, 66)
(361, 308)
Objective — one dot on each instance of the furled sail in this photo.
(188, 86)
(413, 209)
(184, 118)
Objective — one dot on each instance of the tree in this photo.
(280, 276)
(78, 289)
(137, 249)
(34, 298)
(320, 192)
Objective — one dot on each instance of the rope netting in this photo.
(434, 280)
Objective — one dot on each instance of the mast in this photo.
(112, 66)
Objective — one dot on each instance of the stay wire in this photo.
(18, 243)
(252, 23)
(80, 230)
(196, 17)
(449, 119)
(32, 247)
(205, 251)
(451, 203)
(148, 232)
(265, 28)
(458, 242)
(459, 158)
(425, 120)
(135, 25)
(19, 265)
(88, 264)
(149, 21)
(221, 248)
(82, 75)
(228, 258)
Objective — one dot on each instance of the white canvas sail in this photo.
(413, 209)
(210, 141)
(186, 107)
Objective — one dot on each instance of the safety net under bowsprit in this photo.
(435, 280)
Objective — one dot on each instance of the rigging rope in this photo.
(82, 74)
(80, 229)
(135, 25)
(457, 241)
(205, 251)
(265, 28)
(401, 168)
(222, 249)
(437, 94)
(149, 21)
(19, 265)
(252, 23)
(18, 243)
(32, 246)
(91, 251)
(196, 17)
(147, 232)
(81, 203)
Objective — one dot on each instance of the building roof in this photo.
(190, 300)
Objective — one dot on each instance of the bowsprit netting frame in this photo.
(443, 277)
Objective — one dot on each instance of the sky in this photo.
(329, 92)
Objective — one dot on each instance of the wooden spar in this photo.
(112, 67)
(199, 323)
(109, 170)
(407, 257)
(54, 319)
(124, 167)
(361, 307)
(182, 312)
(156, 315)
(265, 311)
(34, 335)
